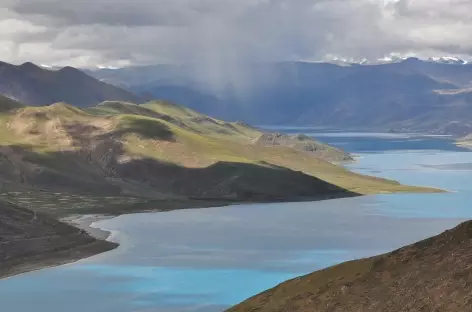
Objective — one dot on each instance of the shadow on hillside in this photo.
(230, 180)
(106, 173)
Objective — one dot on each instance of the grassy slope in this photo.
(213, 141)
(174, 134)
(431, 275)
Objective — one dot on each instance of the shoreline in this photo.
(99, 242)
(84, 222)
(98, 245)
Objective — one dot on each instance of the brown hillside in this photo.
(431, 275)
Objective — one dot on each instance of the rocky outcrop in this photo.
(304, 143)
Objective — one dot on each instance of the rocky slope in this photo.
(31, 241)
(33, 85)
(304, 143)
(431, 275)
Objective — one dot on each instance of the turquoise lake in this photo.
(209, 259)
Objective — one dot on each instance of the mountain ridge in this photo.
(411, 95)
(35, 85)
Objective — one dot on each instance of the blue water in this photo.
(209, 259)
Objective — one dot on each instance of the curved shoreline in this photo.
(49, 259)
(99, 238)
(85, 222)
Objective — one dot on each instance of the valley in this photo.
(119, 158)
(239, 156)
(157, 150)
(211, 259)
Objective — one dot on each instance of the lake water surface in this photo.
(209, 259)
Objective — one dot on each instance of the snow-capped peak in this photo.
(447, 60)
(393, 58)
(106, 67)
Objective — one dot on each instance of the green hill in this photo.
(118, 155)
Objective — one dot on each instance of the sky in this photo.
(117, 33)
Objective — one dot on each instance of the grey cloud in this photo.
(223, 35)
(436, 10)
(105, 12)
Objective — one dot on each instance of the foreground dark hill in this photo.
(33, 85)
(30, 241)
(411, 95)
(431, 275)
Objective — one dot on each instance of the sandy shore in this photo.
(84, 222)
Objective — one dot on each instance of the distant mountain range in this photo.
(401, 95)
(34, 85)
(398, 59)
